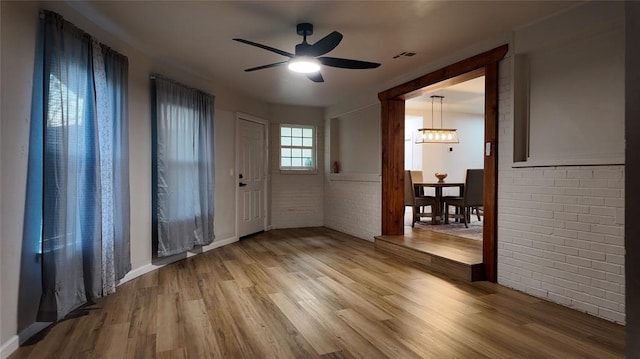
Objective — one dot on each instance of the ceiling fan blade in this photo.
(268, 48)
(315, 77)
(266, 66)
(346, 63)
(325, 44)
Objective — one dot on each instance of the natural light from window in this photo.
(297, 147)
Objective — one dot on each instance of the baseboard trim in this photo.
(13, 343)
(150, 267)
(9, 347)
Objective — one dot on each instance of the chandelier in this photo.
(437, 135)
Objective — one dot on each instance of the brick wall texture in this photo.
(560, 229)
(353, 207)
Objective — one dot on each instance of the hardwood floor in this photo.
(318, 293)
(460, 249)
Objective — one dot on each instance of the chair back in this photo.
(416, 176)
(409, 194)
(474, 187)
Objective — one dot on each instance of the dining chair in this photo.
(472, 198)
(416, 176)
(417, 202)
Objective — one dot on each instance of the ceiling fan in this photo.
(308, 58)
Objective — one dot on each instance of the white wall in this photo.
(560, 229)
(453, 159)
(412, 150)
(573, 78)
(352, 197)
(352, 205)
(632, 176)
(19, 22)
(296, 198)
(357, 133)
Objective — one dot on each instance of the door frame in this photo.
(246, 117)
(392, 144)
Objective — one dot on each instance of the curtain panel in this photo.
(77, 186)
(184, 167)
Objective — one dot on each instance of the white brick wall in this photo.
(560, 229)
(353, 207)
(296, 201)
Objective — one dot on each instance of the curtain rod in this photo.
(158, 76)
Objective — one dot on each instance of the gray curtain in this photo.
(110, 72)
(184, 177)
(78, 146)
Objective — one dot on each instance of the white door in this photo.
(251, 176)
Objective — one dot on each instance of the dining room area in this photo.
(443, 185)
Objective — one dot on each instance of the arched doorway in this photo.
(392, 137)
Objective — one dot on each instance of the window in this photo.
(183, 186)
(78, 181)
(297, 148)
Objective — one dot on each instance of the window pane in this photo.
(297, 147)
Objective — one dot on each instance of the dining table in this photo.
(438, 209)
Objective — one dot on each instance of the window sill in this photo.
(560, 162)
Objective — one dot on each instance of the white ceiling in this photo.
(197, 36)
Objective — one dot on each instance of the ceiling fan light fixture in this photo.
(304, 64)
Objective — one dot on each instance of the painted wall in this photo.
(296, 198)
(632, 228)
(560, 229)
(453, 159)
(350, 204)
(19, 22)
(356, 133)
(579, 52)
(352, 197)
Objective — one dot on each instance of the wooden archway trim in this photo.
(392, 138)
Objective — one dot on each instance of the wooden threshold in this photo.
(457, 257)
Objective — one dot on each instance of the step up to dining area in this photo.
(456, 257)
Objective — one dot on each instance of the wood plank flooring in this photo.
(318, 293)
(456, 257)
(463, 250)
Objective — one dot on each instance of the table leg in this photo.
(437, 210)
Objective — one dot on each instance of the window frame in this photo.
(314, 150)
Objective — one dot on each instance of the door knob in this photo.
(242, 184)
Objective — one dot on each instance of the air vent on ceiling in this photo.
(405, 54)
